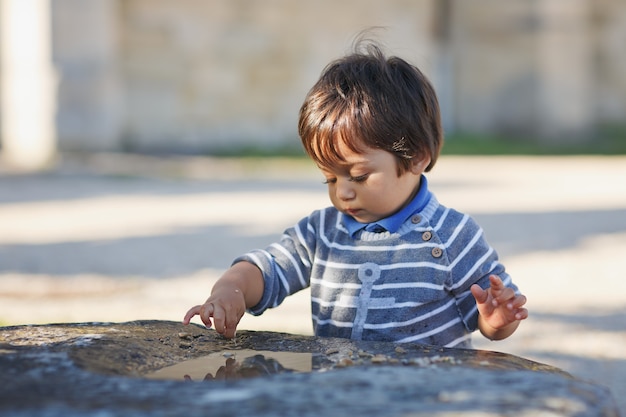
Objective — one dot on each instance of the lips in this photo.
(353, 212)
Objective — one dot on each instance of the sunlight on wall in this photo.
(28, 83)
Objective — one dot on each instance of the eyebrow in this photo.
(347, 167)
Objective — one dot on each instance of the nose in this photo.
(345, 190)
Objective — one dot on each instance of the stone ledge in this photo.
(87, 368)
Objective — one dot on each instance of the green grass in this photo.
(607, 141)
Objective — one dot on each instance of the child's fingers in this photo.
(517, 302)
(193, 311)
(232, 320)
(496, 282)
(225, 322)
(206, 312)
(232, 315)
(505, 296)
(219, 319)
(479, 294)
(215, 315)
(515, 307)
(229, 332)
(521, 314)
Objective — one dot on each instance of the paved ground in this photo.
(118, 238)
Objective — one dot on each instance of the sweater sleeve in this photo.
(473, 261)
(285, 265)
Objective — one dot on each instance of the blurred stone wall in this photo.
(608, 39)
(523, 67)
(201, 75)
(197, 75)
(87, 56)
(549, 68)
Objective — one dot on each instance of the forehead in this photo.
(363, 156)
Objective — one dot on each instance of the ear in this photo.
(419, 164)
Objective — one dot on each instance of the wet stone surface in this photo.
(116, 369)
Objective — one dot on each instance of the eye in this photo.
(330, 180)
(360, 178)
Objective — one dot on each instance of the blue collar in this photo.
(393, 222)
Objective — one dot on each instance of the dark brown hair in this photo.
(367, 99)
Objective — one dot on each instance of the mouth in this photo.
(352, 212)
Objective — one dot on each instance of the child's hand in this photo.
(240, 287)
(226, 306)
(499, 307)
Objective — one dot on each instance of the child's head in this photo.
(368, 100)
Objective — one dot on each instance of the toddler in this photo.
(387, 261)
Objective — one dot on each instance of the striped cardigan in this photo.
(408, 286)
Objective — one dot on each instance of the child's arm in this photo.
(500, 309)
(240, 287)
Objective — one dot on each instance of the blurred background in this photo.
(146, 143)
(204, 76)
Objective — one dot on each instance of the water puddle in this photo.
(236, 364)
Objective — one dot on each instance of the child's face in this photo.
(367, 186)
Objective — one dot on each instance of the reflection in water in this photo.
(236, 364)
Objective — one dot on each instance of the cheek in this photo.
(386, 197)
(384, 201)
(332, 195)
(376, 198)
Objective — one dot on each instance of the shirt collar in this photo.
(393, 222)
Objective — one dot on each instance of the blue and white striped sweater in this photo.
(408, 286)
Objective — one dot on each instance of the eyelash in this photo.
(359, 179)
